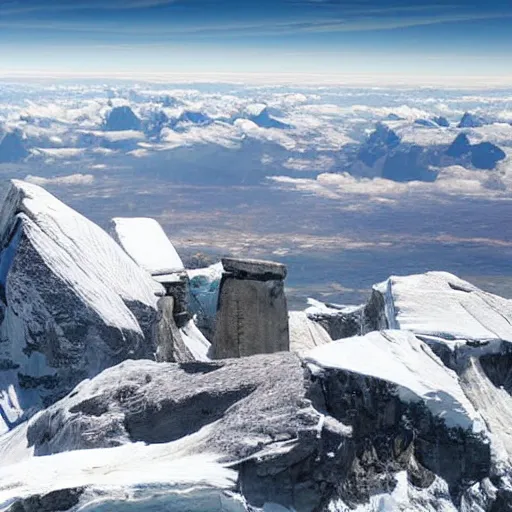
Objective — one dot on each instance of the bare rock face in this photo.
(169, 341)
(73, 303)
(252, 313)
(333, 432)
(339, 321)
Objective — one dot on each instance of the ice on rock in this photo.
(400, 358)
(134, 477)
(72, 301)
(146, 242)
(305, 334)
(204, 295)
(442, 305)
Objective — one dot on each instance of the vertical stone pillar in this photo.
(252, 313)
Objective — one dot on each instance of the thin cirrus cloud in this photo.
(12, 8)
(240, 29)
(211, 34)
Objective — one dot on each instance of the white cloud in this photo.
(274, 135)
(221, 134)
(71, 179)
(454, 180)
(322, 163)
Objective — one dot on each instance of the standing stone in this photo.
(252, 314)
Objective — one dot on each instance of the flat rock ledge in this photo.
(259, 270)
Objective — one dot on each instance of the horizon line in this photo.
(272, 78)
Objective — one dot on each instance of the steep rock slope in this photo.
(73, 303)
(471, 331)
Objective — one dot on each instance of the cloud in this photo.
(322, 163)
(12, 8)
(72, 179)
(221, 134)
(454, 180)
(339, 22)
(249, 129)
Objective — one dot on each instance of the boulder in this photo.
(252, 313)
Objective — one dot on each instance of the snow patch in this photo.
(146, 243)
(400, 358)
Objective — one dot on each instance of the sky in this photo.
(329, 38)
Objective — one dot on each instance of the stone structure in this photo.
(252, 313)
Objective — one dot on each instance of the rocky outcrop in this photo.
(378, 144)
(339, 321)
(486, 155)
(12, 148)
(252, 314)
(73, 303)
(471, 332)
(170, 346)
(459, 147)
(441, 121)
(121, 119)
(356, 420)
(471, 121)
(144, 240)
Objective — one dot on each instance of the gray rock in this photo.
(254, 269)
(73, 302)
(252, 318)
(56, 501)
(256, 412)
(178, 289)
(169, 342)
(339, 321)
(297, 439)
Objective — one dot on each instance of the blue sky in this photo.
(402, 38)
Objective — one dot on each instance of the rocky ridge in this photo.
(409, 410)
